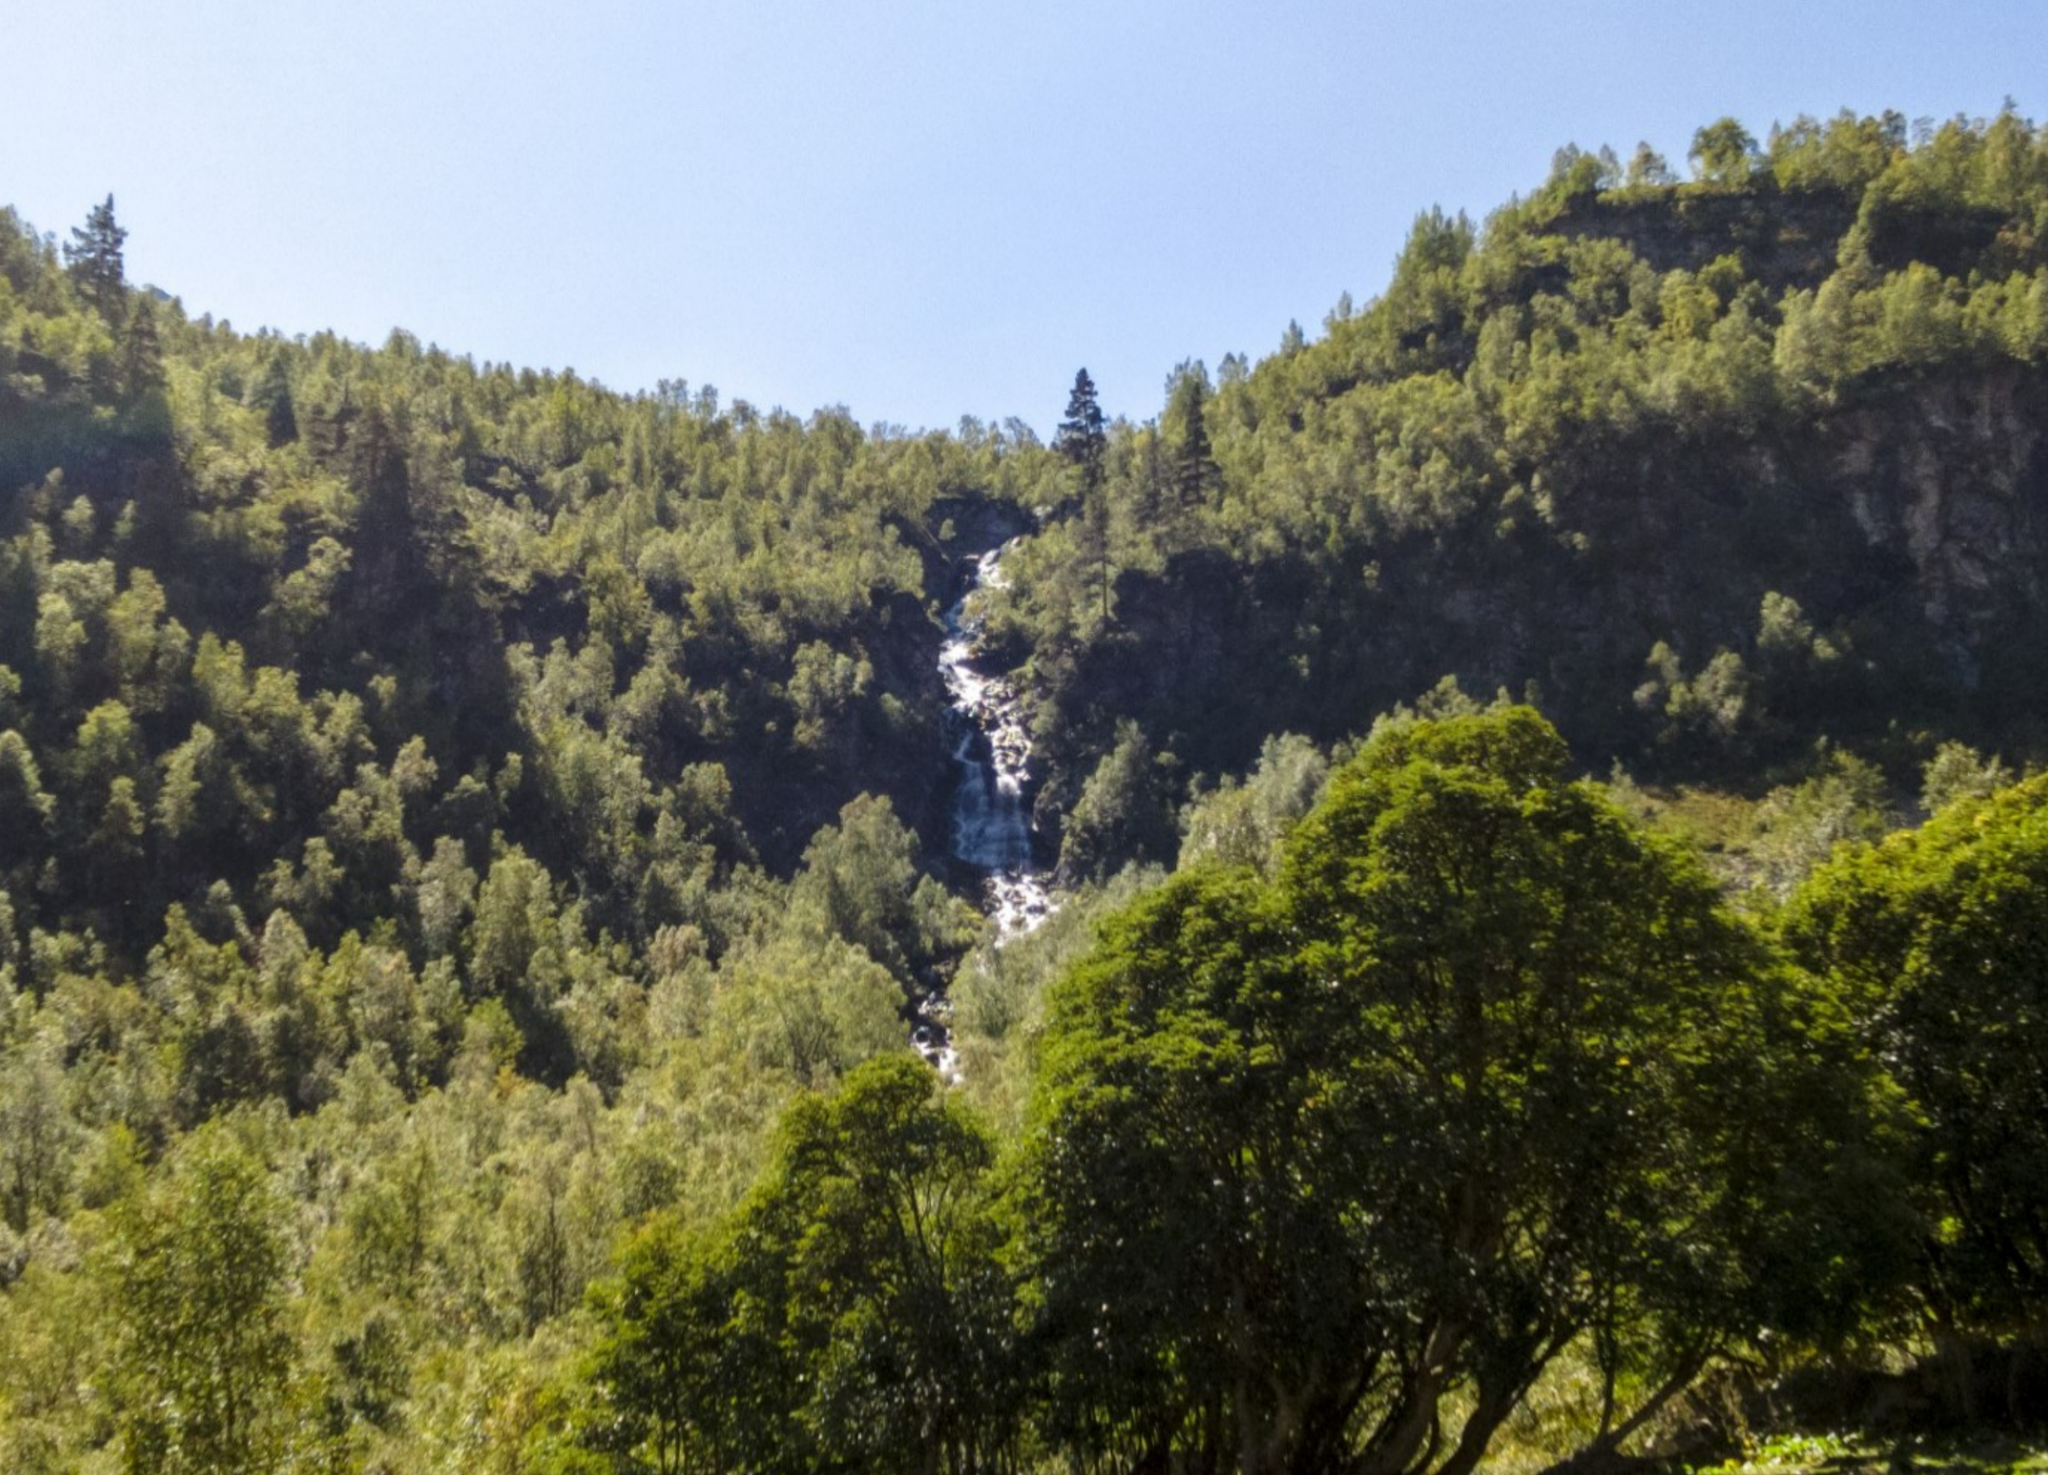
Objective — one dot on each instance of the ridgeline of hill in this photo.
(467, 837)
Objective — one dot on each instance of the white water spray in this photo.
(991, 747)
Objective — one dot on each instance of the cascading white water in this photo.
(991, 830)
(986, 736)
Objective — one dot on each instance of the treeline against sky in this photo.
(1709, 470)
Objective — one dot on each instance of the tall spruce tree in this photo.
(1081, 439)
(142, 353)
(1194, 461)
(94, 258)
(1082, 442)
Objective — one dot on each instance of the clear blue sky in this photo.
(917, 209)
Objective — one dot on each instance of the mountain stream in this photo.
(991, 834)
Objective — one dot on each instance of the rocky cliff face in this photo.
(1910, 527)
(1952, 476)
(1791, 241)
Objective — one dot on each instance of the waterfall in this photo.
(991, 748)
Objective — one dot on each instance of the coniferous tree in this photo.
(142, 354)
(273, 395)
(1194, 462)
(1081, 438)
(94, 257)
(1082, 442)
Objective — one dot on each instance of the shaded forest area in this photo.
(468, 837)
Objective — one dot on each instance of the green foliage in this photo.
(670, 1367)
(1798, 826)
(999, 991)
(1723, 153)
(1245, 824)
(1080, 438)
(808, 1009)
(1194, 471)
(94, 258)
(1611, 422)
(485, 781)
(1958, 771)
(199, 1288)
(852, 1315)
(857, 883)
(450, 813)
(1121, 814)
(1316, 1158)
(1933, 942)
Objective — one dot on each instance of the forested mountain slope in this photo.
(1709, 469)
(468, 835)
(349, 639)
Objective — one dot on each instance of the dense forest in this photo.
(1552, 962)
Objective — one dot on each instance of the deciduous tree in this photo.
(1327, 1171)
(199, 1281)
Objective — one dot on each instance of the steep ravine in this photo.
(990, 748)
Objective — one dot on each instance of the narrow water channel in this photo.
(991, 823)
